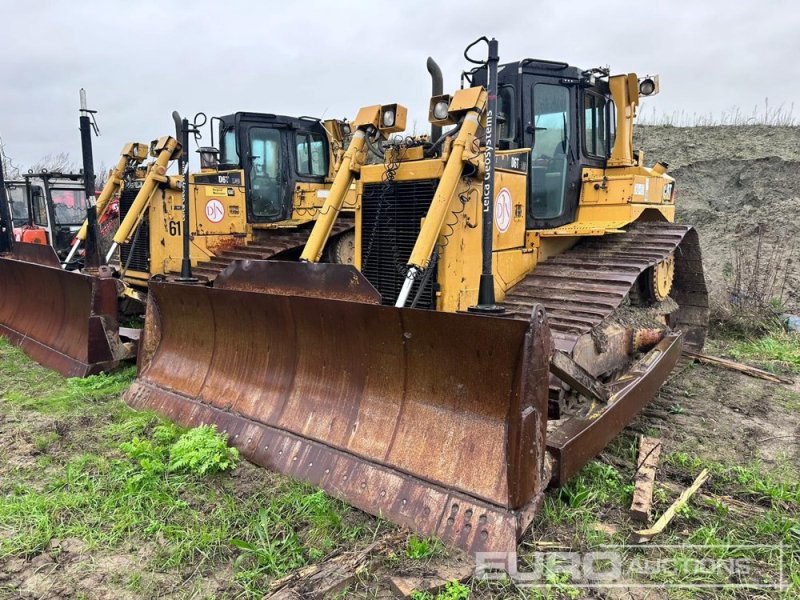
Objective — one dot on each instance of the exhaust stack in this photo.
(437, 89)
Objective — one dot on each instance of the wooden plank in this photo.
(713, 500)
(333, 575)
(431, 583)
(644, 479)
(567, 370)
(735, 366)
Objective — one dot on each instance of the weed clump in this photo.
(418, 548)
(200, 451)
(452, 591)
(757, 286)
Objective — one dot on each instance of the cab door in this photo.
(268, 189)
(554, 167)
(40, 208)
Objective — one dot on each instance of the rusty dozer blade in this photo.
(64, 320)
(575, 440)
(40, 254)
(434, 421)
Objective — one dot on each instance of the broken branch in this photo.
(645, 535)
(735, 366)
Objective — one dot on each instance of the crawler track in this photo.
(270, 243)
(580, 289)
(585, 285)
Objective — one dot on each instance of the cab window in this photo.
(551, 126)
(19, 205)
(596, 111)
(311, 155)
(39, 204)
(506, 114)
(266, 178)
(69, 206)
(229, 154)
(612, 125)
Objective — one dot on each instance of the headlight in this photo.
(388, 118)
(440, 110)
(345, 128)
(648, 86)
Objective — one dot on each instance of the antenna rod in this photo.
(182, 131)
(92, 258)
(486, 299)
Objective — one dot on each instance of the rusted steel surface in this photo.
(63, 320)
(434, 421)
(576, 376)
(268, 244)
(317, 280)
(41, 254)
(580, 438)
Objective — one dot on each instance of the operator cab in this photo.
(566, 117)
(50, 201)
(272, 153)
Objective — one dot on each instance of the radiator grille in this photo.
(391, 217)
(139, 254)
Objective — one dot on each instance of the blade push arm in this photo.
(132, 154)
(383, 120)
(474, 99)
(167, 147)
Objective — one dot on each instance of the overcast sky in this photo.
(141, 60)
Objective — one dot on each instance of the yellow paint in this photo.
(218, 213)
(132, 155)
(610, 199)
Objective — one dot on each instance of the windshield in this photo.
(19, 205)
(69, 206)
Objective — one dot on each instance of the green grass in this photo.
(777, 351)
(574, 517)
(452, 591)
(418, 548)
(116, 478)
(788, 399)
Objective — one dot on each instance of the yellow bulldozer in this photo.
(519, 291)
(256, 197)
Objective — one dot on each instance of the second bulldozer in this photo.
(257, 198)
(519, 291)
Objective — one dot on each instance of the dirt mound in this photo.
(681, 146)
(734, 184)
